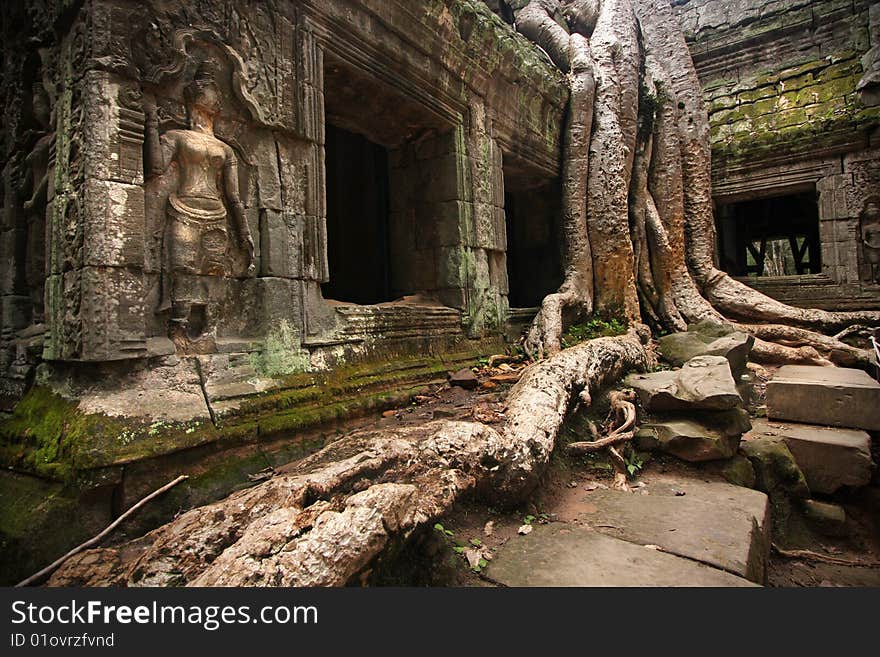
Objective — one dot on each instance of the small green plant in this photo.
(478, 567)
(440, 528)
(596, 327)
(476, 542)
(633, 462)
(528, 520)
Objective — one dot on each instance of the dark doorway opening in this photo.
(777, 236)
(534, 263)
(357, 219)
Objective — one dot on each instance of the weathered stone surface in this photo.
(836, 396)
(777, 474)
(775, 466)
(707, 338)
(168, 392)
(704, 383)
(825, 518)
(566, 555)
(739, 472)
(686, 439)
(714, 523)
(829, 458)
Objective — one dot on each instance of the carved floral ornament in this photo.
(158, 65)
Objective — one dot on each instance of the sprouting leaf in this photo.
(476, 542)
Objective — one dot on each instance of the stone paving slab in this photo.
(716, 523)
(829, 457)
(835, 396)
(563, 554)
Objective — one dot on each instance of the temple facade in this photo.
(225, 221)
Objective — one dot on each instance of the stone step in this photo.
(561, 554)
(834, 396)
(697, 533)
(715, 523)
(829, 457)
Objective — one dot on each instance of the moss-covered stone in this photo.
(777, 474)
(739, 472)
(40, 520)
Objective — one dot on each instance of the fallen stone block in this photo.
(835, 396)
(830, 458)
(777, 474)
(708, 338)
(739, 472)
(703, 383)
(825, 518)
(464, 378)
(691, 439)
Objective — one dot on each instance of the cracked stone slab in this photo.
(230, 378)
(835, 396)
(715, 523)
(562, 554)
(169, 392)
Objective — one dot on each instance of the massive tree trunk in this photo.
(649, 220)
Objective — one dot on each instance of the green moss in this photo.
(596, 327)
(48, 436)
(39, 520)
(282, 354)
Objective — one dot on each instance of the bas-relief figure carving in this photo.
(869, 234)
(36, 186)
(196, 241)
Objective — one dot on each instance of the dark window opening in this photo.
(776, 236)
(534, 264)
(357, 219)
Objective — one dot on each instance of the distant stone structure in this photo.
(791, 89)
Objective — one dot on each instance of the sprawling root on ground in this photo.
(323, 520)
(638, 177)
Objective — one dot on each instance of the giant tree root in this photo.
(322, 520)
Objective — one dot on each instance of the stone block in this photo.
(114, 130)
(15, 312)
(708, 339)
(114, 224)
(569, 555)
(825, 518)
(829, 458)
(704, 383)
(112, 314)
(835, 396)
(692, 438)
(281, 244)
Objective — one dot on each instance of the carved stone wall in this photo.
(791, 107)
(474, 91)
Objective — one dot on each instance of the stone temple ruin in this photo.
(225, 222)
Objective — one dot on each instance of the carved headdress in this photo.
(203, 90)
